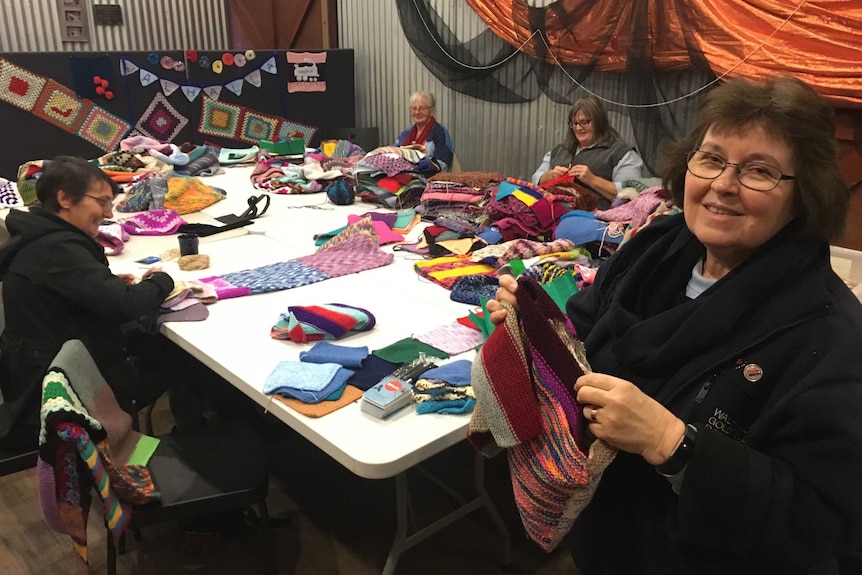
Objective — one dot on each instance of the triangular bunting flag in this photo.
(191, 92)
(127, 67)
(235, 87)
(270, 66)
(254, 78)
(147, 78)
(213, 92)
(169, 87)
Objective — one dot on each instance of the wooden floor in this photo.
(337, 523)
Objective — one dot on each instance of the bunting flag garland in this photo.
(235, 86)
(191, 92)
(307, 73)
(59, 105)
(147, 78)
(127, 67)
(253, 78)
(236, 122)
(160, 120)
(213, 91)
(169, 87)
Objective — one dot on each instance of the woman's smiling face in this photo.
(87, 214)
(731, 220)
(584, 129)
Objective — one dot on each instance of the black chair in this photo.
(199, 473)
(14, 461)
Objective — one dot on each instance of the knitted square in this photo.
(61, 107)
(289, 127)
(18, 86)
(255, 126)
(187, 194)
(275, 277)
(103, 129)
(161, 120)
(219, 118)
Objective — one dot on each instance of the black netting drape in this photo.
(660, 105)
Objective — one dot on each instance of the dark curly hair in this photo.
(788, 109)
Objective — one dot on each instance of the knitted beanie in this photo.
(317, 322)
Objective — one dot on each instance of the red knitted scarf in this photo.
(413, 137)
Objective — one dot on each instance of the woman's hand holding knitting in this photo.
(150, 272)
(627, 418)
(553, 174)
(506, 293)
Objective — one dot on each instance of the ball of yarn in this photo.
(194, 262)
(340, 192)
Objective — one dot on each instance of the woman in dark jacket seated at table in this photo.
(593, 153)
(57, 286)
(726, 353)
(427, 131)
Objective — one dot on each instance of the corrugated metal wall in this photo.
(509, 138)
(32, 26)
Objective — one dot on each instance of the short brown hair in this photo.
(72, 175)
(592, 108)
(788, 109)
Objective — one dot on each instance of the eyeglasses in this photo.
(419, 108)
(581, 123)
(754, 175)
(107, 205)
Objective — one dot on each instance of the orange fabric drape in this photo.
(821, 43)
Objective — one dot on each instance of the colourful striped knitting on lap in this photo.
(523, 381)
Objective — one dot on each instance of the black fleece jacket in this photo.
(57, 286)
(774, 483)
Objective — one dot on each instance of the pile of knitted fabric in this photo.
(391, 176)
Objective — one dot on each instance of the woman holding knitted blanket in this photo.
(428, 132)
(725, 356)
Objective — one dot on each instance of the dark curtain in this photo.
(668, 53)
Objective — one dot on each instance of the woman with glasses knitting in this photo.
(593, 153)
(57, 286)
(725, 356)
(428, 132)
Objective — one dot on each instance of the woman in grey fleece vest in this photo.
(593, 153)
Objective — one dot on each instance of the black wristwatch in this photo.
(680, 457)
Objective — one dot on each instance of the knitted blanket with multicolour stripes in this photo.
(525, 403)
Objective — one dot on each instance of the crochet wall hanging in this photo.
(306, 72)
(237, 122)
(191, 91)
(160, 120)
(58, 105)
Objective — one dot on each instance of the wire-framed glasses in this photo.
(104, 202)
(419, 108)
(755, 175)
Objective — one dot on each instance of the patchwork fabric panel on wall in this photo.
(85, 104)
